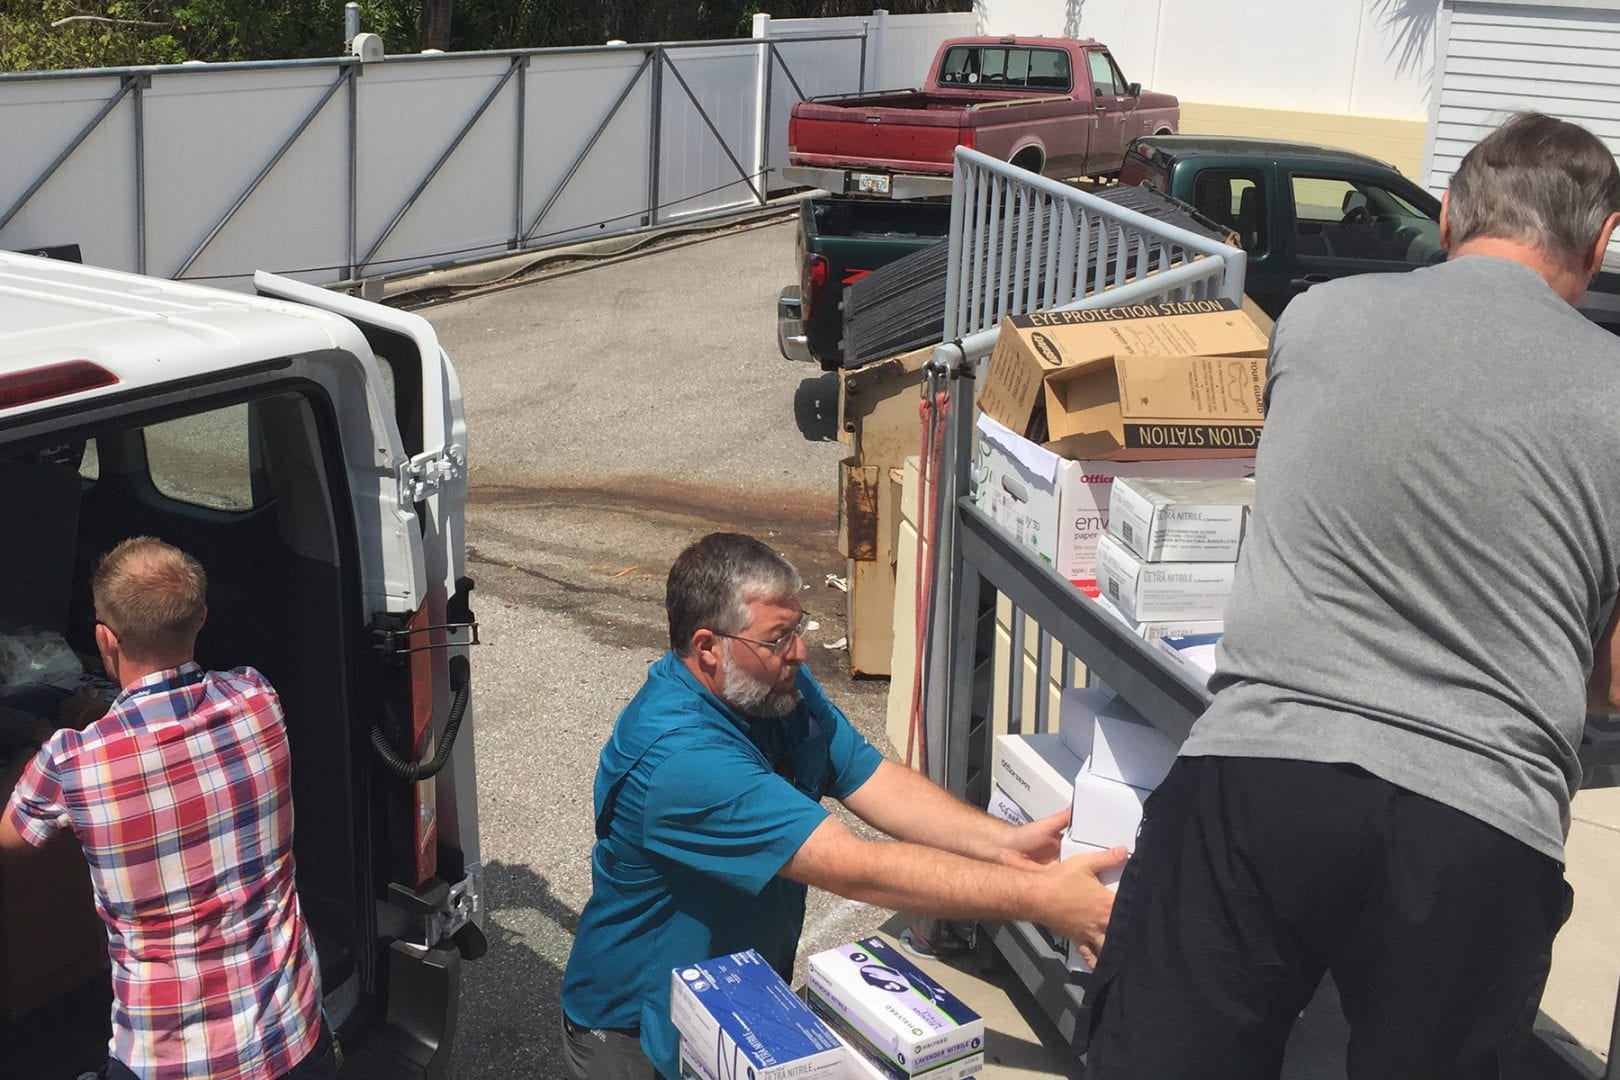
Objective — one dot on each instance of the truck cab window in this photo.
(1103, 78)
(961, 65)
(1049, 70)
(1234, 200)
(1340, 218)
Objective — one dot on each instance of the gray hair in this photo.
(1538, 181)
(714, 580)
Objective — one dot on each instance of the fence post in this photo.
(655, 133)
(877, 48)
(762, 101)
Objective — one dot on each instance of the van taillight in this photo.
(967, 136)
(424, 793)
(812, 284)
(52, 381)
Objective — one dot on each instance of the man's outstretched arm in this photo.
(926, 881)
(908, 806)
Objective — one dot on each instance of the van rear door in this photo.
(428, 642)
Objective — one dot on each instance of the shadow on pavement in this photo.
(512, 1017)
(815, 407)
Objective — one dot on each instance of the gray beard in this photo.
(753, 696)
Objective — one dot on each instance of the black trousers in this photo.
(1253, 877)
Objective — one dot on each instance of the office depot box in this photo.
(1036, 771)
(1114, 741)
(1151, 592)
(1166, 519)
(1106, 813)
(1059, 508)
(1133, 383)
(1153, 631)
(1006, 808)
(897, 1014)
(738, 1018)
(1193, 653)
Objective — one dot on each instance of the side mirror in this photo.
(1133, 89)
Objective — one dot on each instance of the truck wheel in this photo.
(1028, 159)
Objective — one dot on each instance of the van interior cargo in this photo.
(250, 488)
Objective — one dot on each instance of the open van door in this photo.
(422, 734)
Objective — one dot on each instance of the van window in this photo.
(203, 459)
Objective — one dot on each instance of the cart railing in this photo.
(1022, 243)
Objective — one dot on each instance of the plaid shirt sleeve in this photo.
(35, 808)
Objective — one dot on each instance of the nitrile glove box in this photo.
(1193, 653)
(1116, 742)
(903, 1017)
(737, 1018)
(864, 1063)
(1166, 519)
(1036, 771)
(1006, 808)
(1150, 592)
(1153, 631)
(1107, 813)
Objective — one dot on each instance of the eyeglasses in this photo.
(782, 645)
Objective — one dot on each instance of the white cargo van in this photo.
(309, 450)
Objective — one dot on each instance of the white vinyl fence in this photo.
(338, 170)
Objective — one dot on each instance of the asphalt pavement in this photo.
(615, 413)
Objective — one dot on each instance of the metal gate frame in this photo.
(657, 60)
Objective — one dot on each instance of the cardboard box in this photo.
(1107, 813)
(1153, 631)
(887, 1005)
(1036, 771)
(1006, 808)
(738, 1018)
(1151, 592)
(1179, 520)
(865, 1063)
(1068, 848)
(1193, 653)
(1059, 508)
(51, 939)
(1113, 739)
(1133, 383)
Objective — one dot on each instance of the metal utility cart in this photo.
(1070, 250)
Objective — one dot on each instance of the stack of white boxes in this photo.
(1168, 560)
(1123, 758)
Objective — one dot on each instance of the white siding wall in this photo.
(1357, 57)
(1500, 58)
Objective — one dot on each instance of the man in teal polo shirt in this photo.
(709, 823)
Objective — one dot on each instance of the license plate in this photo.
(870, 183)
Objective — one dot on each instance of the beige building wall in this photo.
(1398, 142)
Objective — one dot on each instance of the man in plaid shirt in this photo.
(181, 799)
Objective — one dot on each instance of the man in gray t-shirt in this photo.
(1381, 787)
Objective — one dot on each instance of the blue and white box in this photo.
(739, 1021)
(902, 1018)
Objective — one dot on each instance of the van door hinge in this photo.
(422, 476)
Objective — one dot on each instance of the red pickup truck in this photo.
(1051, 105)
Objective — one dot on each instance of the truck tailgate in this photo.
(900, 139)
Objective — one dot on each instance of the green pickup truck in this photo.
(1308, 214)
